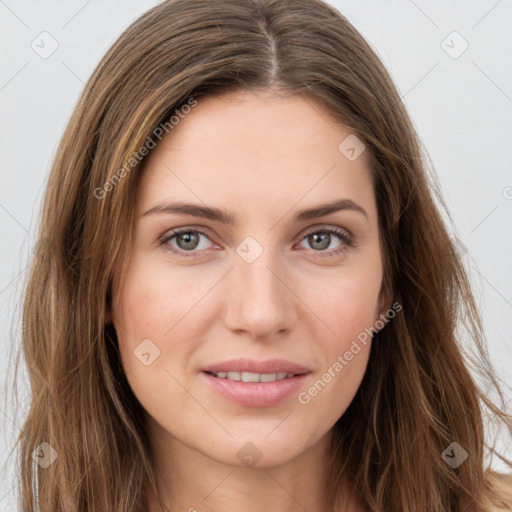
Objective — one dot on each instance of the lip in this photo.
(251, 365)
(255, 394)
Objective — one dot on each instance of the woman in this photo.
(245, 295)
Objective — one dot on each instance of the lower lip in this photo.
(255, 394)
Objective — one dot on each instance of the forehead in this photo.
(255, 151)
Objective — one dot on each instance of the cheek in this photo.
(153, 299)
(347, 304)
(350, 313)
(159, 317)
(144, 309)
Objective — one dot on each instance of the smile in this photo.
(253, 377)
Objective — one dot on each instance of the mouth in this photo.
(241, 369)
(253, 377)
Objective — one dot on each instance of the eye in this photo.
(321, 239)
(187, 240)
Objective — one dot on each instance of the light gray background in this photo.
(461, 107)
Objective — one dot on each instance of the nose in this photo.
(260, 300)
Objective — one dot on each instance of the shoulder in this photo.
(498, 492)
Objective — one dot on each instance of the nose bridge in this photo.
(259, 301)
(259, 278)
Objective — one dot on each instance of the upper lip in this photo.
(250, 365)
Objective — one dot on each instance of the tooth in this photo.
(250, 377)
(254, 377)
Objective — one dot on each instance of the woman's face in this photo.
(272, 293)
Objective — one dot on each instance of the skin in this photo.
(262, 158)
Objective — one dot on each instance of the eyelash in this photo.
(347, 241)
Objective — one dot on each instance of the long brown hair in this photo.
(418, 395)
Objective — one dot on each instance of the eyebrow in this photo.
(208, 212)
